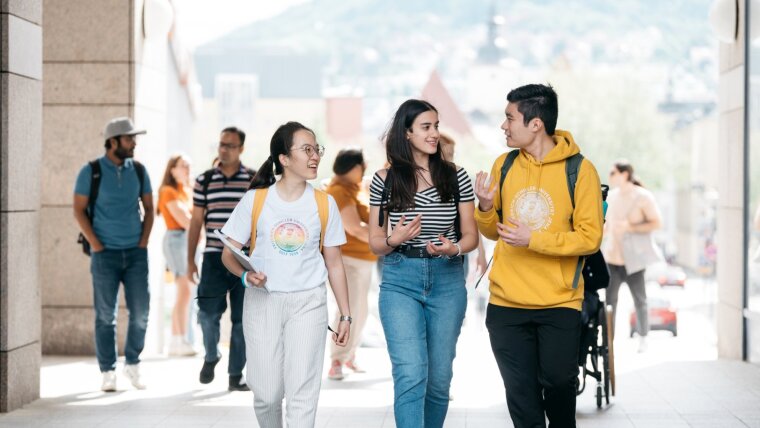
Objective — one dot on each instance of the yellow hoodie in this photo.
(535, 192)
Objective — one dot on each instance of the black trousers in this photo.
(537, 354)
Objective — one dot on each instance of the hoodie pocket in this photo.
(567, 270)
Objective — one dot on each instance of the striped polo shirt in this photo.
(221, 198)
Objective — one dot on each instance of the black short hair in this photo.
(346, 160)
(235, 130)
(536, 101)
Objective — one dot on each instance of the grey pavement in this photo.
(678, 382)
(653, 391)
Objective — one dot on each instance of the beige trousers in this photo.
(359, 277)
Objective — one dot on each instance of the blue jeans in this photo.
(109, 268)
(422, 306)
(216, 282)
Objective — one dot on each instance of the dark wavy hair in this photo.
(282, 142)
(403, 170)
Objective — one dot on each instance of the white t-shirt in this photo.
(287, 238)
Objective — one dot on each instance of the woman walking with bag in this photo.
(631, 218)
(295, 233)
(422, 222)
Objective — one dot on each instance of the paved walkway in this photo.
(665, 387)
(677, 383)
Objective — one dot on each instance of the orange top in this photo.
(345, 195)
(167, 194)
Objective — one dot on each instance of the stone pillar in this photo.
(731, 200)
(97, 66)
(88, 80)
(21, 152)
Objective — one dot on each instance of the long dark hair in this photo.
(168, 179)
(403, 170)
(282, 142)
(624, 166)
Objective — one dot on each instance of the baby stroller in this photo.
(595, 354)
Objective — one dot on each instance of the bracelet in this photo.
(242, 278)
(346, 318)
(459, 250)
(388, 243)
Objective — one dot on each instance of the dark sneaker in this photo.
(207, 372)
(237, 384)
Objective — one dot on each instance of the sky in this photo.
(202, 21)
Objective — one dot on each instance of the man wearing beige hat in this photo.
(115, 234)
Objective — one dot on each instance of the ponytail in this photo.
(264, 176)
(624, 166)
(281, 143)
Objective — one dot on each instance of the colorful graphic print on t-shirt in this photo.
(289, 236)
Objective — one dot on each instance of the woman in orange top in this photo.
(174, 204)
(358, 260)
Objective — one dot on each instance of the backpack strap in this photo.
(94, 188)
(457, 197)
(323, 209)
(140, 170)
(384, 197)
(259, 196)
(508, 161)
(572, 166)
(206, 181)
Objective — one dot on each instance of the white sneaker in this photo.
(109, 381)
(180, 348)
(132, 372)
(643, 346)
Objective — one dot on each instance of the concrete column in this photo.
(93, 73)
(730, 203)
(21, 152)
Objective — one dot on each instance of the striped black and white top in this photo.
(437, 217)
(221, 198)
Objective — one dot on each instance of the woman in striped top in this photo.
(428, 202)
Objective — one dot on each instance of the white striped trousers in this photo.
(285, 346)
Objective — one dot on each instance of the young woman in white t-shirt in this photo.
(285, 311)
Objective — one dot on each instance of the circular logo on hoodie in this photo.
(533, 207)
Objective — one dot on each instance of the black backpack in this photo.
(95, 189)
(596, 274)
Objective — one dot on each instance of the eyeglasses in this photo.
(229, 146)
(310, 150)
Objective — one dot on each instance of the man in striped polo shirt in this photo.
(216, 193)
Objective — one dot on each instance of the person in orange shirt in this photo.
(174, 205)
(358, 260)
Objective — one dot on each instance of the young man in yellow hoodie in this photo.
(533, 316)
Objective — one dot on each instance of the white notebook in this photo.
(240, 256)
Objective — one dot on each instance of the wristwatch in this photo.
(346, 318)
